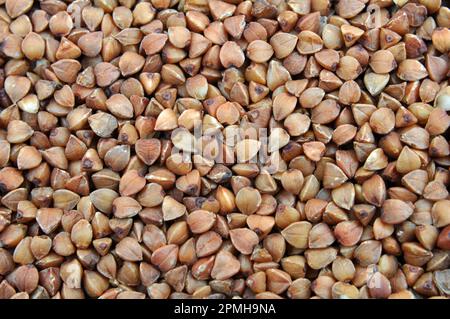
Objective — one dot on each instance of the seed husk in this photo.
(277, 139)
(81, 234)
(62, 244)
(48, 219)
(259, 51)
(16, 9)
(148, 150)
(22, 253)
(333, 176)
(283, 44)
(25, 278)
(343, 269)
(442, 240)
(297, 234)
(320, 257)
(379, 286)
(129, 249)
(94, 283)
(18, 132)
(348, 233)
(438, 213)
(283, 105)
(40, 246)
(244, 240)
(395, 211)
(368, 252)
(320, 236)
(374, 190)
(248, 200)
(382, 62)
(231, 55)
(172, 209)
(348, 68)
(103, 199)
(200, 221)
(415, 254)
(376, 160)
(314, 150)
(411, 70)
(103, 124)
(407, 161)
(247, 149)
(225, 266)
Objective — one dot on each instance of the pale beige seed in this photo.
(309, 42)
(129, 249)
(244, 240)
(395, 211)
(297, 124)
(17, 87)
(33, 46)
(320, 258)
(259, 51)
(283, 44)
(411, 70)
(248, 200)
(349, 68)
(247, 149)
(283, 105)
(382, 62)
(172, 209)
(296, 234)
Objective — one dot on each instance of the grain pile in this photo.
(220, 149)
